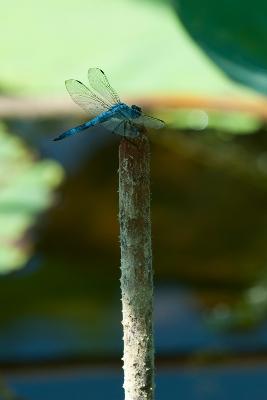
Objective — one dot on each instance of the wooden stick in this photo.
(136, 268)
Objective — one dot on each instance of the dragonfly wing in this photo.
(131, 131)
(122, 127)
(101, 85)
(85, 98)
(149, 122)
(114, 125)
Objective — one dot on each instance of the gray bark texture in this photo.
(136, 268)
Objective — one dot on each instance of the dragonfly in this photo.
(105, 108)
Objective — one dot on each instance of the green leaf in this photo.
(234, 35)
(27, 185)
(139, 45)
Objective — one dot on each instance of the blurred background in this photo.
(202, 68)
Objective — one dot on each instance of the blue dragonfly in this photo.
(103, 105)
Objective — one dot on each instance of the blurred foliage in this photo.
(27, 186)
(209, 200)
(249, 309)
(199, 120)
(209, 210)
(233, 33)
(87, 33)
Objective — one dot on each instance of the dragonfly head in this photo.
(137, 110)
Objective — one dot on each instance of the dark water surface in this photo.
(220, 383)
(180, 330)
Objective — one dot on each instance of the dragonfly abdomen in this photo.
(97, 120)
(75, 130)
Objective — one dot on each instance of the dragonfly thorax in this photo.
(136, 108)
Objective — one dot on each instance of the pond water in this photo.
(220, 383)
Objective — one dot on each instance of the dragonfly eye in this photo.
(136, 108)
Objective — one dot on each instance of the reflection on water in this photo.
(220, 383)
(180, 329)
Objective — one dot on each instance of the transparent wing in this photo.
(121, 127)
(85, 98)
(100, 84)
(131, 131)
(114, 125)
(149, 122)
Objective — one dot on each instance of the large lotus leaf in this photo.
(139, 45)
(234, 35)
(26, 189)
